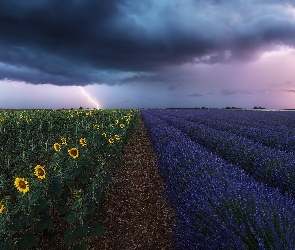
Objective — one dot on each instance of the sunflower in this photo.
(122, 125)
(1, 119)
(73, 152)
(96, 126)
(21, 184)
(40, 172)
(116, 121)
(56, 147)
(104, 134)
(1, 207)
(82, 142)
(111, 140)
(63, 140)
(117, 137)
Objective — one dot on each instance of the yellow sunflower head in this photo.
(117, 137)
(1, 207)
(21, 184)
(1, 119)
(63, 140)
(111, 140)
(96, 126)
(104, 134)
(73, 152)
(40, 172)
(56, 147)
(83, 142)
(122, 125)
(116, 121)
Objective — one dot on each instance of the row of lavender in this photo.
(219, 205)
(269, 165)
(273, 129)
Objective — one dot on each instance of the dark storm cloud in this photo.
(79, 42)
(124, 101)
(173, 87)
(288, 90)
(283, 84)
(195, 95)
(227, 92)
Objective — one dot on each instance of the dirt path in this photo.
(136, 215)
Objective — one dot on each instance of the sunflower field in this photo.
(55, 164)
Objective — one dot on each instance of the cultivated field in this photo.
(54, 167)
(226, 179)
(229, 176)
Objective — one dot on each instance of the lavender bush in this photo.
(218, 205)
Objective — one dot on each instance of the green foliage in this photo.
(72, 218)
(80, 246)
(45, 223)
(6, 243)
(26, 241)
(73, 189)
(55, 188)
(95, 229)
(61, 206)
(82, 230)
(69, 237)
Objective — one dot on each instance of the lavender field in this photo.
(229, 176)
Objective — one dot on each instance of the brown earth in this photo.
(136, 214)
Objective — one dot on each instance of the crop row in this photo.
(218, 205)
(246, 124)
(269, 165)
(274, 120)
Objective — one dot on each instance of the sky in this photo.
(147, 54)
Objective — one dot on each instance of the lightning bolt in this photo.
(89, 98)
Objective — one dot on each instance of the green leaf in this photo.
(6, 244)
(69, 237)
(55, 188)
(82, 230)
(96, 229)
(84, 178)
(30, 219)
(61, 206)
(89, 207)
(41, 205)
(72, 217)
(18, 222)
(26, 241)
(15, 225)
(80, 246)
(45, 222)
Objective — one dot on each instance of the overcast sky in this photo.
(147, 54)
